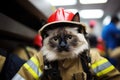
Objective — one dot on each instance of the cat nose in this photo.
(62, 44)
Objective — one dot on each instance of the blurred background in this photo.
(21, 19)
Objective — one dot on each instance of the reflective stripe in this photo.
(102, 67)
(18, 77)
(31, 71)
(33, 67)
(105, 71)
(94, 65)
(35, 61)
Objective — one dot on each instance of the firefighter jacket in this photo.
(2, 61)
(25, 52)
(32, 69)
(70, 69)
(102, 68)
(3, 55)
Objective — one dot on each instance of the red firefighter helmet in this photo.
(60, 17)
(38, 40)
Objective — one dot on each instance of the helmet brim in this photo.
(56, 24)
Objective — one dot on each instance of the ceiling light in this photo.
(72, 10)
(106, 20)
(93, 13)
(92, 1)
(62, 2)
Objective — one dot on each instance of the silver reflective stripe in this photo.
(34, 67)
(102, 67)
(18, 77)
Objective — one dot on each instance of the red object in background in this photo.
(92, 23)
(38, 40)
(61, 15)
(100, 44)
(100, 47)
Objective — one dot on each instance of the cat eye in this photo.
(55, 38)
(69, 36)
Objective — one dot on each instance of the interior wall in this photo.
(13, 33)
(97, 28)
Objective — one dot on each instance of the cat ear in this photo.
(76, 17)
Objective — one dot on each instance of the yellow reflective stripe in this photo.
(35, 61)
(32, 72)
(105, 71)
(96, 64)
(102, 67)
(40, 70)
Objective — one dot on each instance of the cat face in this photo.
(64, 42)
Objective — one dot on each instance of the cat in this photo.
(64, 41)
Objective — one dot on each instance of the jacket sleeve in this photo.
(31, 70)
(102, 68)
(2, 61)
